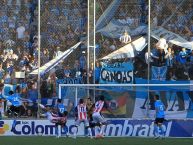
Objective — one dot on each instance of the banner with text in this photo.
(115, 128)
(118, 72)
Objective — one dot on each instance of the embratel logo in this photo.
(3, 127)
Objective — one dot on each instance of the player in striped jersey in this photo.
(81, 116)
(97, 116)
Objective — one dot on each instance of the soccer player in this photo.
(60, 107)
(61, 110)
(159, 108)
(89, 106)
(81, 116)
(15, 103)
(97, 116)
(53, 118)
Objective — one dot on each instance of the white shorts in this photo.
(78, 122)
(54, 119)
(98, 118)
(57, 119)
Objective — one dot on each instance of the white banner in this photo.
(108, 14)
(115, 29)
(129, 50)
(171, 37)
(51, 64)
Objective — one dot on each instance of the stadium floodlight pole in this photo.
(94, 43)
(76, 96)
(149, 45)
(88, 40)
(88, 43)
(39, 60)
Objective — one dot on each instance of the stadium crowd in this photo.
(63, 25)
(175, 16)
(18, 41)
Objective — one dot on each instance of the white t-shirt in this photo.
(20, 32)
(162, 44)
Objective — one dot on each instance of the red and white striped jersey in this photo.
(98, 106)
(82, 112)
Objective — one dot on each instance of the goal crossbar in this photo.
(126, 85)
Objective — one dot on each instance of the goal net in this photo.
(132, 100)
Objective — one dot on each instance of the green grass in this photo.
(87, 141)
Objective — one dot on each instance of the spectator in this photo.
(154, 56)
(45, 56)
(97, 72)
(162, 44)
(32, 92)
(44, 89)
(82, 61)
(58, 52)
(182, 57)
(20, 31)
(125, 38)
(170, 58)
(113, 46)
(2, 71)
(161, 59)
(67, 71)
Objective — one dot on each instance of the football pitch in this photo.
(88, 141)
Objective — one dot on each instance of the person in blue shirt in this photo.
(2, 99)
(14, 99)
(159, 117)
(97, 72)
(15, 103)
(61, 111)
(183, 55)
(60, 108)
